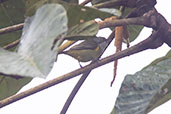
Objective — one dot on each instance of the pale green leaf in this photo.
(34, 57)
(146, 89)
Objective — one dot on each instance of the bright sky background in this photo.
(95, 96)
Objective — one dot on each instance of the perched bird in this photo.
(87, 50)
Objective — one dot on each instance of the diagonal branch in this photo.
(83, 78)
(152, 42)
(11, 45)
(74, 92)
(126, 3)
(11, 28)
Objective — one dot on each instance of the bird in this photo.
(87, 50)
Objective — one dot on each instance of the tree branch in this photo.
(148, 20)
(155, 40)
(83, 78)
(74, 92)
(11, 45)
(11, 28)
(152, 42)
(126, 3)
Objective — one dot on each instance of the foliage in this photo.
(48, 23)
(146, 89)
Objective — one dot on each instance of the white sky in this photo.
(95, 96)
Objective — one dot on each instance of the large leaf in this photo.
(35, 49)
(49, 22)
(76, 13)
(13, 64)
(146, 89)
(10, 86)
(35, 57)
(11, 13)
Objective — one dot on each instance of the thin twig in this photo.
(11, 28)
(153, 41)
(11, 45)
(74, 92)
(83, 78)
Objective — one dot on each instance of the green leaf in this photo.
(146, 89)
(10, 86)
(134, 31)
(99, 1)
(34, 57)
(11, 13)
(71, 1)
(112, 11)
(83, 31)
(76, 13)
(8, 10)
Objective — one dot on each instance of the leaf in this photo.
(161, 96)
(83, 31)
(38, 35)
(112, 11)
(75, 13)
(34, 57)
(10, 86)
(134, 31)
(49, 22)
(13, 64)
(8, 10)
(146, 89)
(71, 1)
(99, 1)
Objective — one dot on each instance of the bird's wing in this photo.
(85, 45)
